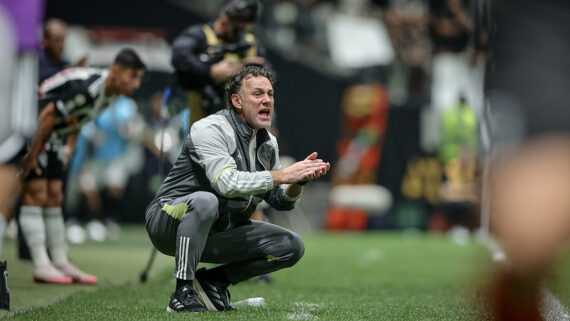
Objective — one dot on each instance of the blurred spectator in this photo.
(51, 57)
(453, 73)
(458, 154)
(407, 22)
(450, 25)
(204, 56)
(458, 131)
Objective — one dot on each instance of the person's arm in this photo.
(187, 60)
(69, 147)
(212, 150)
(210, 145)
(258, 56)
(46, 122)
(186, 50)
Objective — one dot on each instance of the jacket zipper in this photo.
(247, 206)
(259, 159)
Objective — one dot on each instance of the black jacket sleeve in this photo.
(191, 71)
(276, 198)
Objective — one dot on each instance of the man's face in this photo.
(53, 43)
(127, 80)
(255, 101)
(231, 29)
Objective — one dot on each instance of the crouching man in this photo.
(229, 163)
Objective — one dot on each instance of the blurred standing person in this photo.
(72, 98)
(527, 89)
(53, 43)
(51, 57)
(51, 62)
(204, 56)
(454, 71)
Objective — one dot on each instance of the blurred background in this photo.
(389, 91)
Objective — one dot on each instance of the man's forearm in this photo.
(234, 183)
(45, 125)
(69, 148)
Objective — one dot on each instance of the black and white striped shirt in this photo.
(79, 97)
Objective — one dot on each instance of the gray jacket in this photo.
(226, 157)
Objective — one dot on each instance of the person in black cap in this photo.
(204, 56)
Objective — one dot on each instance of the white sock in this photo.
(33, 228)
(2, 229)
(55, 232)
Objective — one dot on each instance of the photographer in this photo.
(204, 56)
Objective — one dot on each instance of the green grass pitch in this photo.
(343, 276)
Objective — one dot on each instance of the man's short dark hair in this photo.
(248, 71)
(129, 58)
(241, 10)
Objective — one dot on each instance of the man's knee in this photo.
(205, 205)
(54, 198)
(296, 249)
(35, 194)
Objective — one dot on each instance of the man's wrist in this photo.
(32, 153)
(277, 177)
(292, 192)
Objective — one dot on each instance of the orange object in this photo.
(338, 219)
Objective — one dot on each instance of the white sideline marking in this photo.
(551, 309)
(304, 311)
(370, 256)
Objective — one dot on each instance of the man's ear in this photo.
(114, 70)
(236, 101)
(224, 19)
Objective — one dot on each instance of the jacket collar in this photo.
(241, 127)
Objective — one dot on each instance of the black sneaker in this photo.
(4, 291)
(185, 300)
(215, 296)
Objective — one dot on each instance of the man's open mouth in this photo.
(265, 112)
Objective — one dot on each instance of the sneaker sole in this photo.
(209, 305)
(169, 310)
(85, 281)
(64, 281)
